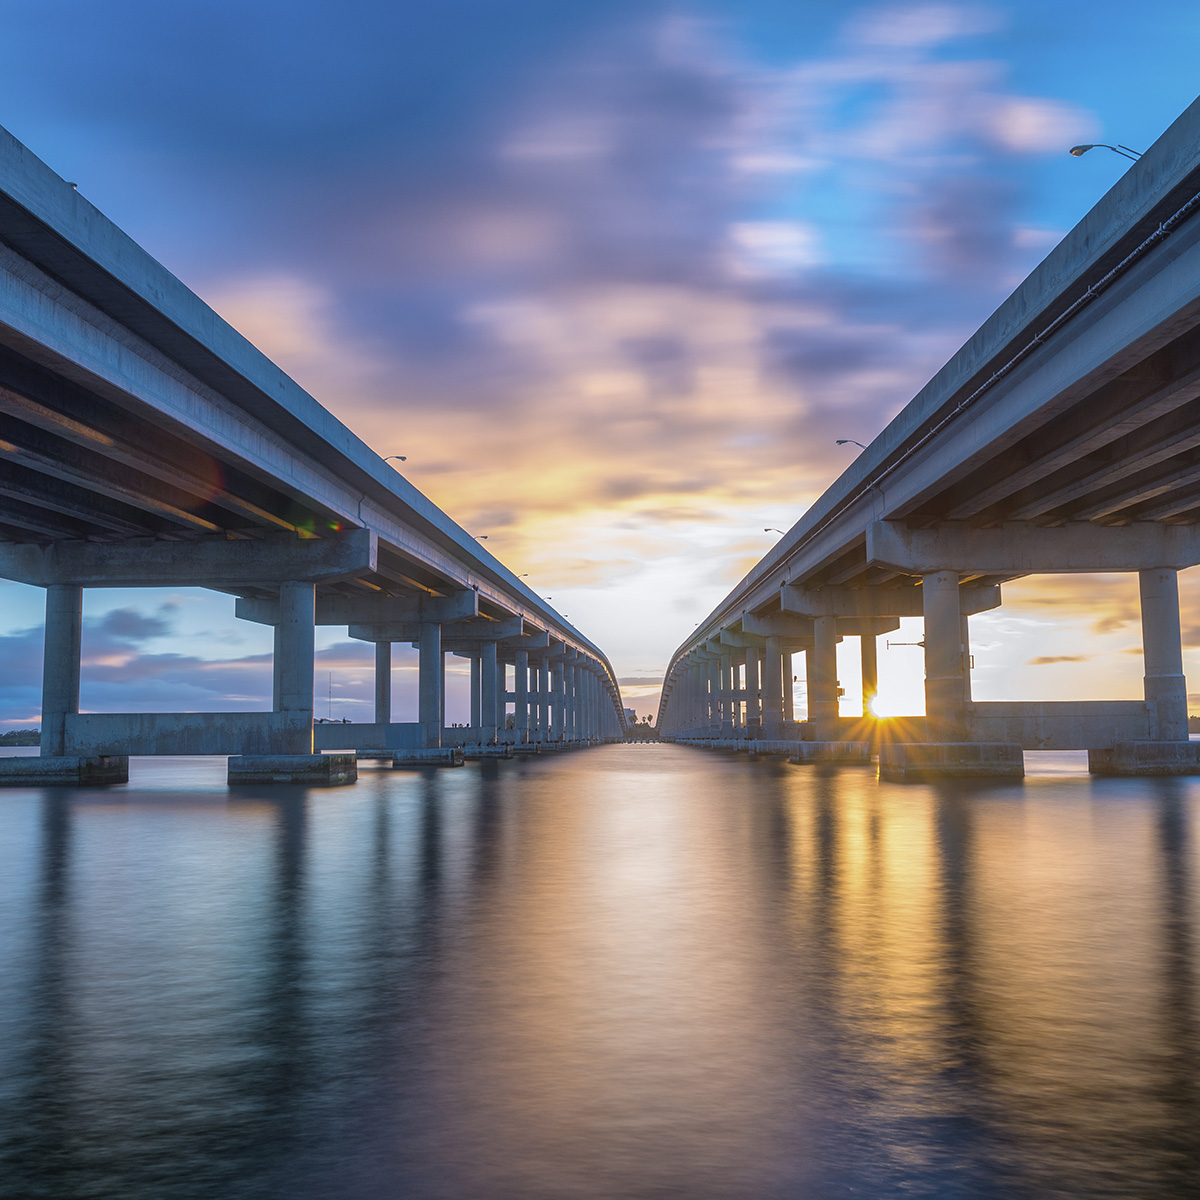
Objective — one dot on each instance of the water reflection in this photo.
(634, 971)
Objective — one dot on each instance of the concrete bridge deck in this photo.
(144, 442)
(1063, 437)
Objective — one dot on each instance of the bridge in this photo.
(1063, 437)
(144, 442)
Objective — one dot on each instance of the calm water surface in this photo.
(635, 971)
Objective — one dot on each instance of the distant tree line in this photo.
(21, 737)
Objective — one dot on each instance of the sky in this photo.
(613, 275)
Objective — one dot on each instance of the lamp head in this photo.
(1080, 151)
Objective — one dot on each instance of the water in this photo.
(636, 971)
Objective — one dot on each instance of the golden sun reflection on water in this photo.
(636, 971)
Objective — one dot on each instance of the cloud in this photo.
(130, 625)
(908, 26)
(1107, 602)
(641, 680)
(611, 279)
(1045, 660)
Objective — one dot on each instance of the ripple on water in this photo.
(632, 971)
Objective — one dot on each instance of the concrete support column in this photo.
(295, 641)
(556, 702)
(276, 661)
(429, 685)
(727, 693)
(1166, 688)
(60, 664)
(714, 695)
(753, 683)
(822, 678)
(772, 689)
(534, 686)
(476, 697)
(870, 672)
(488, 687)
(564, 702)
(521, 724)
(966, 657)
(945, 684)
(383, 683)
(544, 700)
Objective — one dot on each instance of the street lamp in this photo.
(769, 529)
(1123, 151)
(480, 537)
(401, 457)
(849, 442)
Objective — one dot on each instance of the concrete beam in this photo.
(392, 631)
(876, 601)
(374, 610)
(457, 635)
(186, 733)
(743, 640)
(201, 562)
(846, 626)
(785, 625)
(1017, 549)
(538, 640)
(866, 626)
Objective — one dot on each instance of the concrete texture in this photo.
(1059, 724)
(429, 756)
(63, 770)
(830, 752)
(186, 733)
(202, 562)
(323, 769)
(1019, 548)
(909, 762)
(362, 735)
(1146, 758)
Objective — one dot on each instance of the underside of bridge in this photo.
(1063, 438)
(144, 443)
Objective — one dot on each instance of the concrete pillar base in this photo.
(830, 752)
(330, 770)
(474, 753)
(432, 756)
(765, 747)
(63, 771)
(1146, 758)
(905, 762)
